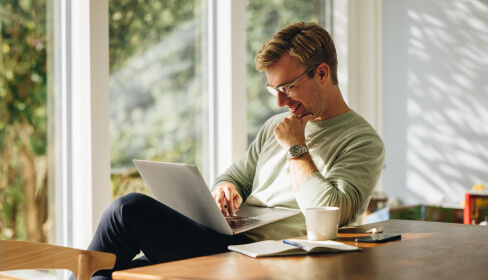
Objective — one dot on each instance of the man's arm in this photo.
(348, 183)
(291, 131)
(300, 169)
(235, 185)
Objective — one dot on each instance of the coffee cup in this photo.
(322, 223)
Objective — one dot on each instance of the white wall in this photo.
(435, 98)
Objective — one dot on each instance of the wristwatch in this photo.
(296, 151)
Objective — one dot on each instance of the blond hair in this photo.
(308, 43)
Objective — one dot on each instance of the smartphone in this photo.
(379, 238)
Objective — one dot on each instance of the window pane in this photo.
(157, 105)
(264, 18)
(24, 125)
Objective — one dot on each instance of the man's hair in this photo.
(308, 43)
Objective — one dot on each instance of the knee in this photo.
(127, 205)
(131, 199)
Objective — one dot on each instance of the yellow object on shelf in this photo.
(478, 187)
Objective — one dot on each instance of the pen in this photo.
(292, 243)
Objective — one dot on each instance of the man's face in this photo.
(307, 96)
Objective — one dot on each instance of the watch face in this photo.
(296, 151)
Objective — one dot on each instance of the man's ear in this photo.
(323, 71)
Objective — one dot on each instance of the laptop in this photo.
(181, 187)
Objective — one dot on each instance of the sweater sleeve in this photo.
(241, 173)
(350, 182)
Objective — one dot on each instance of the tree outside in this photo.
(23, 128)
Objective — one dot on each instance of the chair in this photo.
(15, 255)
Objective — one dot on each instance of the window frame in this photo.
(81, 142)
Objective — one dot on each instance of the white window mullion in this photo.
(61, 119)
(230, 111)
(210, 78)
(90, 169)
(364, 51)
(100, 108)
(340, 34)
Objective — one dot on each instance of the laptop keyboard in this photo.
(238, 222)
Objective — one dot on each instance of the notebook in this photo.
(272, 248)
(181, 187)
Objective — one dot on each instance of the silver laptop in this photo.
(181, 187)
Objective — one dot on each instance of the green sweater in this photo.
(346, 150)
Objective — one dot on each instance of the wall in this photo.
(435, 98)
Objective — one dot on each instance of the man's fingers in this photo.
(237, 202)
(219, 198)
(229, 202)
(224, 208)
(228, 199)
(223, 199)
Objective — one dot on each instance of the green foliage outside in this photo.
(157, 105)
(23, 130)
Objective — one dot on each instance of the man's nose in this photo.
(282, 99)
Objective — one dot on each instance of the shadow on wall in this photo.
(443, 150)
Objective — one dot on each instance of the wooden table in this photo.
(428, 250)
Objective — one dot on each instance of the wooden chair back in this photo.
(15, 255)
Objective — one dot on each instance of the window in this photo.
(158, 103)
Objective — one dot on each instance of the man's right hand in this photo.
(227, 198)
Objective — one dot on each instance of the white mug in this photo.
(322, 223)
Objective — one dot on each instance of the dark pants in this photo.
(136, 222)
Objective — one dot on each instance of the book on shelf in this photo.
(270, 248)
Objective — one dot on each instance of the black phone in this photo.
(379, 238)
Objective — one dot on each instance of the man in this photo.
(321, 153)
(345, 155)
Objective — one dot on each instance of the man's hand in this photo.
(227, 198)
(291, 131)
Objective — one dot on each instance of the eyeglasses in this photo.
(286, 90)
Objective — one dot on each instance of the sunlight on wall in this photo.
(445, 98)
